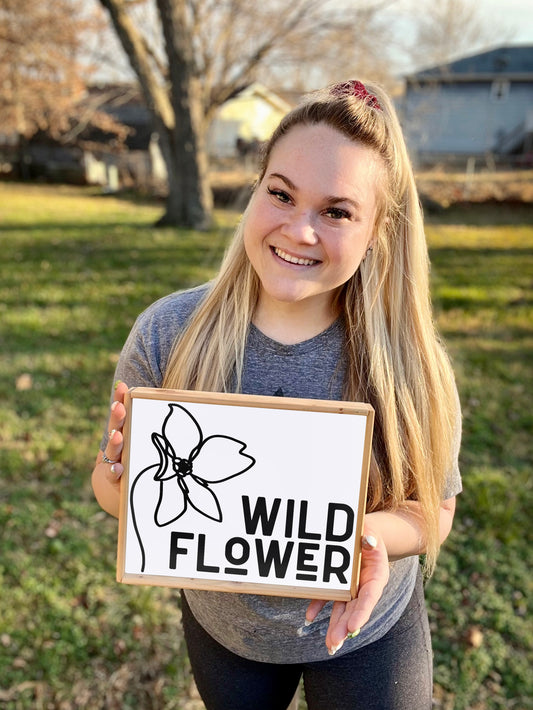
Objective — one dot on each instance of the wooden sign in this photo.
(243, 493)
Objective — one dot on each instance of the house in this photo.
(91, 152)
(477, 106)
(244, 121)
(140, 162)
(96, 157)
(240, 125)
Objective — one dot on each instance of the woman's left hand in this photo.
(348, 617)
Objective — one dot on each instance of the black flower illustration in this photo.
(188, 466)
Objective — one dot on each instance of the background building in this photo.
(478, 106)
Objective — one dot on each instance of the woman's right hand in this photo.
(347, 618)
(107, 471)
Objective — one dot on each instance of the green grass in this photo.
(480, 595)
(76, 269)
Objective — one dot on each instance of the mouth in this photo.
(291, 259)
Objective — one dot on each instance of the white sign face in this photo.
(242, 493)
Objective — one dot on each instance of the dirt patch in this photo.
(437, 188)
(446, 189)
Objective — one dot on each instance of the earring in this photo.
(370, 248)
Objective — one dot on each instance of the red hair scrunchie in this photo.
(357, 89)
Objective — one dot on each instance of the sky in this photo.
(518, 14)
(514, 17)
(506, 21)
(515, 14)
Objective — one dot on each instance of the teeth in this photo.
(293, 259)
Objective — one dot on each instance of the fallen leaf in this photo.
(24, 382)
(474, 636)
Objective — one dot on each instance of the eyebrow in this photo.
(285, 179)
(331, 200)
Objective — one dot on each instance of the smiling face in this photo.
(311, 219)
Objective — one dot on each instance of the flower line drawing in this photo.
(188, 466)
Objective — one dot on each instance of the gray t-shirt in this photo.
(265, 628)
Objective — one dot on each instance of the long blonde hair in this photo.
(395, 360)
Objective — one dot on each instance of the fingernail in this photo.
(118, 474)
(353, 634)
(333, 650)
(114, 405)
(306, 624)
(111, 433)
(369, 542)
(117, 383)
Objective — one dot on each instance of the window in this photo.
(499, 91)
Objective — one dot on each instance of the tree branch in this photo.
(136, 50)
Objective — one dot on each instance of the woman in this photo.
(323, 293)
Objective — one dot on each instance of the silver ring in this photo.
(106, 460)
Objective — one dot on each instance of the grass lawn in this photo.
(76, 269)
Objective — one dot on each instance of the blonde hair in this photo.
(396, 362)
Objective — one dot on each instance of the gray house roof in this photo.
(513, 63)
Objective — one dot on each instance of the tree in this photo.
(41, 73)
(205, 50)
(448, 29)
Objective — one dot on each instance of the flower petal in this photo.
(164, 469)
(182, 431)
(172, 502)
(203, 499)
(219, 458)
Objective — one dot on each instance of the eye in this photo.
(280, 195)
(337, 213)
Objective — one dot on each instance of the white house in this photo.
(247, 118)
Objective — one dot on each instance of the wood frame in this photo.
(185, 402)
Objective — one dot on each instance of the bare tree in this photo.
(41, 73)
(206, 50)
(336, 41)
(448, 29)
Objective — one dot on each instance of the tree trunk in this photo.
(177, 117)
(189, 201)
(187, 204)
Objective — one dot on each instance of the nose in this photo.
(300, 228)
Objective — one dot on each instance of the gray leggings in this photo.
(393, 673)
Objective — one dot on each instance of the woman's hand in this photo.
(347, 618)
(108, 467)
